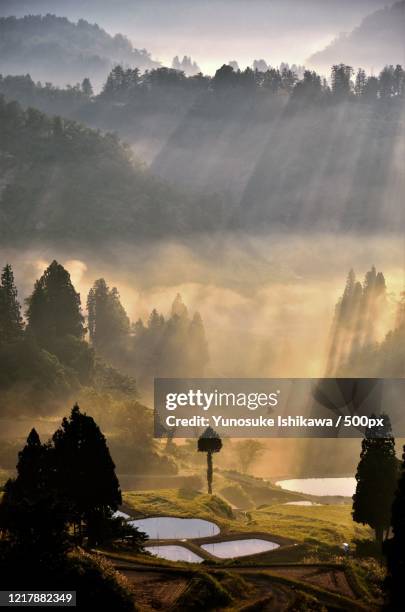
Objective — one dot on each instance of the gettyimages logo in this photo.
(278, 407)
(206, 400)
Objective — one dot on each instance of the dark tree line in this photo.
(130, 84)
(379, 501)
(68, 481)
(377, 478)
(64, 494)
(343, 84)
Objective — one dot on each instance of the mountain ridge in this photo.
(376, 42)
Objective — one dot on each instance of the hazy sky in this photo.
(215, 31)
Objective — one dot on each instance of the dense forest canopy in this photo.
(240, 177)
(65, 182)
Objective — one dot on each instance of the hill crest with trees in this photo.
(55, 49)
(378, 40)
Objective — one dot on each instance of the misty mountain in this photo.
(376, 42)
(54, 49)
(215, 31)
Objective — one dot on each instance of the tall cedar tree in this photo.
(31, 514)
(86, 471)
(209, 442)
(53, 309)
(107, 320)
(377, 476)
(11, 323)
(395, 549)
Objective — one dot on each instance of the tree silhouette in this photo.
(11, 323)
(86, 473)
(31, 512)
(34, 537)
(53, 309)
(376, 476)
(209, 442)
(394, 548)
(87, 87)
(107, 320)
(341, 81)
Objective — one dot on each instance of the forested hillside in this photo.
(49, 356)
(281, 152)
(63, 183)
(55, 49)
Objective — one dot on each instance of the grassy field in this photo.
(308, 571)
(328, 525)
(178, 502)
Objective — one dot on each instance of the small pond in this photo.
(171, 528)
(320, 486)
(174, 553)
(239, 548)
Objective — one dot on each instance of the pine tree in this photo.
(109, 324)
(31, 513)
(341, 81)
(179, 309)
(360, 83)
(87, 87)
(394, 549)
(209, 442)
(53, 309)
(11, 323)
(376, 476)
(86, 471)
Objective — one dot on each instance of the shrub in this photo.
(203, 593)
